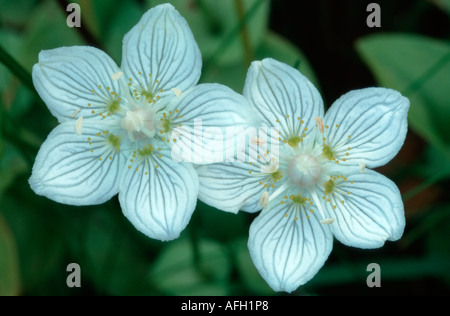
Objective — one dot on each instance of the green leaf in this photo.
(419, 67)
(9, 270)
(175, 271)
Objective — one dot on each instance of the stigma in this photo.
(139, 123)
(304, 170)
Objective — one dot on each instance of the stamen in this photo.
(362, 167)
(279, 190)
(132, 122)
(258, 141)
(264, 201)
(319, 207)
(76, 112)
(79, 126)
(177, 92)
(327, 221)
(117, 75)
(273, 167)
(319, 123)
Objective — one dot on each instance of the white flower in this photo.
(115, 131)
(323, 186)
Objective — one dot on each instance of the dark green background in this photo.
(330, 43)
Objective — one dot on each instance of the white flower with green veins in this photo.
(320, 184)
(115, 132)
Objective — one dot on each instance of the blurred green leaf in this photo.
(435, 169)
(419, 67)
(16, 12)
(232, 76)
(176, 273)
(443, 4)
(405, 268)
(12, 164)
(433, 223)
(46, 29)
(9, 270)
(247, 271)
(218, 225)
(22, 99)
(437, 163)
(438, 234)
(119, 25)
(40, 246)
(109, 254)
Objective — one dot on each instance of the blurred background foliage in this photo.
(331, 44)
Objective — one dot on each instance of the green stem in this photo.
(222, 47)
(195, 247)
(20, 72)
(26, 141)
(1, 128)
(244, 34)
(210, 16)
(13, 66)
(425, 225)
(424, 185)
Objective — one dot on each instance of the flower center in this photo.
(139, 123)
(304, 170)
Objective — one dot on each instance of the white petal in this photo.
(227, 186)
(235, 186)
(161, 45)
(158, 195)
(375, 119)
(65, 77)
(283, 97)
(66, 170)
(288, 251)
(371, 214)
(239, 184)
(210, 117)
